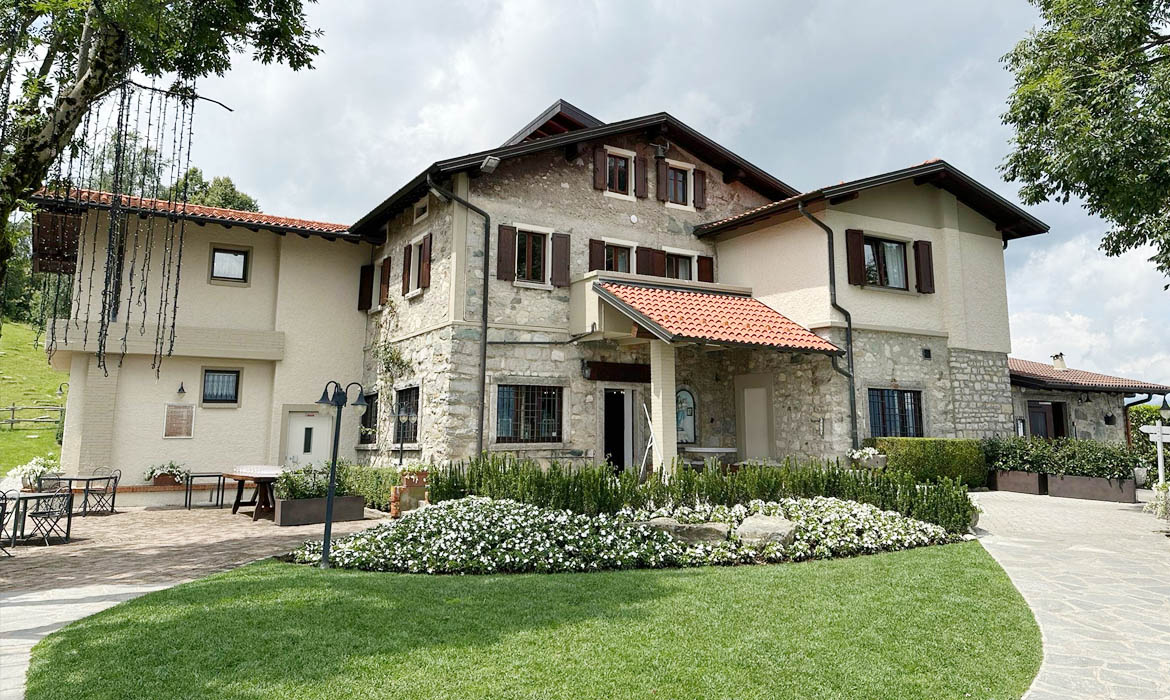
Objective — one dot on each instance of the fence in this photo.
(12, 420)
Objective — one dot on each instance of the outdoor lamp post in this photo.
(332, 405)
(1163, 418)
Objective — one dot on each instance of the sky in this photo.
(814, 93)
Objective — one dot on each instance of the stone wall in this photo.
(1085, 419)
(981, 388)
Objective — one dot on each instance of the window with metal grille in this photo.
(529, 413)
(369, 430)
(406, 415)
(221, 386)
(530, 250)
(895, 413)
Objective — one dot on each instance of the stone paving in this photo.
(117, 557)
(1097, 577)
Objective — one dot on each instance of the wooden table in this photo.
(263, 498)
(20, 511)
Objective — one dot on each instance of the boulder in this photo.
(765, 529)
(691, 533)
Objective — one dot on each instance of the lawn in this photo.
(26, 379)
(936, 622)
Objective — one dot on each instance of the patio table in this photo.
(263, 498)
(87, 480)
(20, 510)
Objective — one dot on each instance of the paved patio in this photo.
(1097, 577)
(117, 557)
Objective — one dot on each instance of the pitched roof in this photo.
(675, 314)
(557, 119)
(1009, 218)
(1041, 375)
(83, 198)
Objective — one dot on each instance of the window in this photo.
(885, 263)
(221, 386)
(229, 265)
(529, 413)
(369, 429)
(416, 278)
(530, 254)
(679, 267)
(406, 415)
(617, 172)
(895, 413)
(677, 181)
(421, 209)
(684, 403)
(179, 420)
(617, 258)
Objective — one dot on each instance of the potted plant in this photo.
(868, 458)
(33, 470)
(302, 495)
(414, 476)
(169, 474)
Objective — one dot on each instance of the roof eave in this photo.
(1032, 382)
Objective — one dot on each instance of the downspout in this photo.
(483, 315)
(848, 374)
(1125, 410)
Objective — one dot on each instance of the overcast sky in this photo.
(814, 93)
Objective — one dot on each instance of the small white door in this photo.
(308, 439)
(753, 414)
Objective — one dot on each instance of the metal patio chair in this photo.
(7, 506)
(46, 519)
(101, 494)
(51, 481)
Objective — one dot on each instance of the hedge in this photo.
(312, 481)
(930, 459)
(591, 489)
(1067, 456)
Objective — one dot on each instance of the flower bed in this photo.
(478, 535)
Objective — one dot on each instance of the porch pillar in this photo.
(662, 409)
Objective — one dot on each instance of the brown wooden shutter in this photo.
(706, 268)
(924, 266)
(424, 263)
(855, 255)
(384, 283)
(596, 254)
(365, 287)
(641, 188)
(661, 187)
(599, 167)
(506, 253)
(658, 263)
(406, 270)
(559, 275)
(700, 189)
(644, 260)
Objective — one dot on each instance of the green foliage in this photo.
(374, 484)
(928, 459)
(1067, 456)
(219, 192)
(593, 489)
(391, 363)
(312, 481)
(172, 468)
(1091, 113)
(1139, 416)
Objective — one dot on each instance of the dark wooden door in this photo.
(615, 428)
(1040, 420)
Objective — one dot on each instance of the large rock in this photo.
(765, 529)
(691, 533)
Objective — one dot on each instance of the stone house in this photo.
(588, 291)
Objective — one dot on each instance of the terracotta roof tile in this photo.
(718, 317)
(1045, 374)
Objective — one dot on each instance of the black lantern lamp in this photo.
(333, 405)
(1164, 411)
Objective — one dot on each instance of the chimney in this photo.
(1058, 361)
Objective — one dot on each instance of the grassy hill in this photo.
(26, 379)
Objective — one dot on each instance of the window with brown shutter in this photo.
(640, 183)
(644, 260)
(406, 270)
(660, 185)
(365, 287)
(596, 254)
(617, 258)
(384, 283)
(599, 167)
(530, 252)
(924, 267)
(855, 255)
(676, 186)
(617, 177)
(658, 263)
(700, 189)
(560, 260)
(424, 262)
(506, 253)
(706, 268)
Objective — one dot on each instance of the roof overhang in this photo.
(1032, 382)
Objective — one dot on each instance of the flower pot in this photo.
(411, 479)
(311, 511)
(1021, 482)
(1093, 488)
(165, 480)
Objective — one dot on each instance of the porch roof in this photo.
(1039, 375)
(680, 314)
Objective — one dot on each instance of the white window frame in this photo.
(545, 284)
(425, 204)
(621, 243)
(633, 158)
(167, 407)
(415, 265)
(690, 168)
(683, 252)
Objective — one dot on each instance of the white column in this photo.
(662, 409)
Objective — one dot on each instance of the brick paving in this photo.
(117, 557)
(1097, 577)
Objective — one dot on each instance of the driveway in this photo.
(117, 557)
(1097, 577)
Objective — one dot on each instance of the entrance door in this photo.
(1046, 419)
(753, 416)
(618, 433)
(308, 438)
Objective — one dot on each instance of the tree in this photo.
(1091, 113)
(76, 51)
(220, 192)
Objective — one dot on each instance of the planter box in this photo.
(1021, 482)
(1093, 488)
(414, 479)
(165, 480)
(311, 511)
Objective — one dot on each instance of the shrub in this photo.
(374, 484)
(590, 489)
(1066, 456)
(1145, 414)
(312, 481)
(929, 459)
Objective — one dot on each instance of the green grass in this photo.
(937, 622)
(26, 379)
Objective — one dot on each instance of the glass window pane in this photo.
(895, 264)
(872, 274)
(221, 386)
(229, 265)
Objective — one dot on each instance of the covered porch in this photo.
(728, 376)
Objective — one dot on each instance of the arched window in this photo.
(685, 416)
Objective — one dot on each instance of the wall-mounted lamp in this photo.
(1110, 419)
(61, 388)
(181, 390)
(489, 164)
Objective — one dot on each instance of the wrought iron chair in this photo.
(102, 493)
(51, 481)
(7, 505)
(46, 519)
